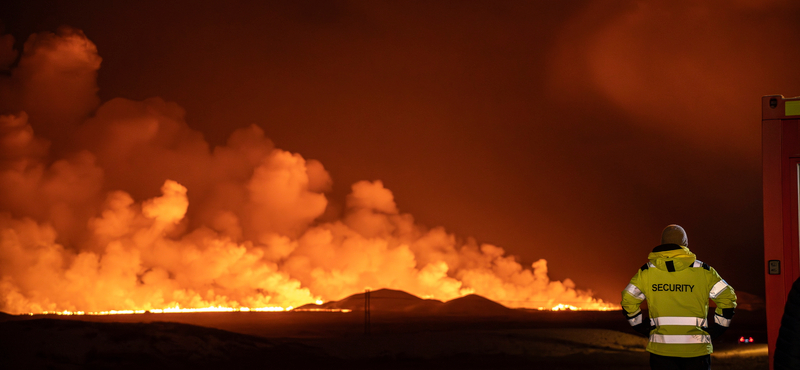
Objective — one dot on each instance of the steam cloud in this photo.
(129, 208)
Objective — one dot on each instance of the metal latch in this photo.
(774, 267)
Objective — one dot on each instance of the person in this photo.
(677, 288)
(787, 348)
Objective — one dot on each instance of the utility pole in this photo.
(367, 323)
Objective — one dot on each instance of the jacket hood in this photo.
(678, 256)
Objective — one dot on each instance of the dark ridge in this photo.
(397, 301)
(474, 305)
(383, 300)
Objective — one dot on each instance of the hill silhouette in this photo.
(474, 305)
(385, 300)
(398, 301)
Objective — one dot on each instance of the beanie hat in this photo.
(674, 234)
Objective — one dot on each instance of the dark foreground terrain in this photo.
(405, 332)
(302, 340)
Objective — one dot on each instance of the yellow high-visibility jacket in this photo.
(677, 287)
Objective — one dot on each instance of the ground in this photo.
(529, 340)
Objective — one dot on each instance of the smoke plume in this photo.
(124, 206)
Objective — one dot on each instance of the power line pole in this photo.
(367, 323)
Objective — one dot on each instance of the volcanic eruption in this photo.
(122, 206)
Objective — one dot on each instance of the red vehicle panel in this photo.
(780, 124)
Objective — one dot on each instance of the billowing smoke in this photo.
(124, 206)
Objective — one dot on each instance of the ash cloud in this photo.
(135, 210)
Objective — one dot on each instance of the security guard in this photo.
(677, 287)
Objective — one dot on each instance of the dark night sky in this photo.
(572, 131)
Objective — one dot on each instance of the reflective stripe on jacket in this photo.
(677, 288)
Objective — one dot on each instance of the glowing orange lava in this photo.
(178, 309)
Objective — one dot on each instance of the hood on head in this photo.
(671, 257)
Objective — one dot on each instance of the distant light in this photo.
(746, 340)
(319, 301)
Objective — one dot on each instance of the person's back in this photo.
(677, 287)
